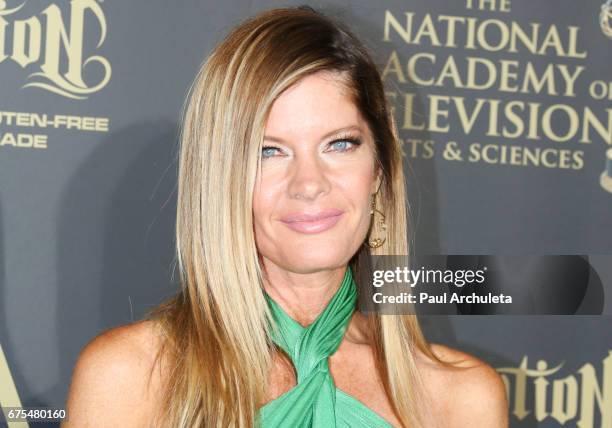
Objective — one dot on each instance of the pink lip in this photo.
(312, 223)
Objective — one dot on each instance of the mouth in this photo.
(312, 223)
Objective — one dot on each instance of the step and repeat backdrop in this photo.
(504, 108)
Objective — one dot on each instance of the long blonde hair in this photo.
(215, 336)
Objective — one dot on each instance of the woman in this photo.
(288, 153)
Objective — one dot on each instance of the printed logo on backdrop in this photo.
(50, 45)
(543, 393)
(490, 88)
(44, 36)
(8, 391)
(605, 18)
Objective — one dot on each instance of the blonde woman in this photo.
(287, 150)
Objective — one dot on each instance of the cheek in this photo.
(261, 207)
(355, 188)
(265, 199)
(356, 184)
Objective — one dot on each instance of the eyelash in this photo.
(354, 141)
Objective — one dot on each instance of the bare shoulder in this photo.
(114, 381)
(470, 393)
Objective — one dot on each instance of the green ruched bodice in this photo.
(315, 401)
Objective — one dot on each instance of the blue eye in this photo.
(346, 144)
(268, 151)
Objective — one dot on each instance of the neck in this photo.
(303, 296)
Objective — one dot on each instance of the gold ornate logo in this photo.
(605, 18)
(35, 38)
(8, 392)
(606, 176)
(582, 397)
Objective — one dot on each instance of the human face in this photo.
(318, 160)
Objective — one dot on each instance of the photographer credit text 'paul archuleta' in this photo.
(414, 278)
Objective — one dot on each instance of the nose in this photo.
(309, 177)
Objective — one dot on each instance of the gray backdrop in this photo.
(86, 220)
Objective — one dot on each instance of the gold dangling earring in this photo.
(377, 242)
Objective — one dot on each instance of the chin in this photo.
(305, 259)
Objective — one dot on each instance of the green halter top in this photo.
(315, 402)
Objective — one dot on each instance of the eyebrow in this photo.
(329, 134)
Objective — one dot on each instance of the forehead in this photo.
(313, 106)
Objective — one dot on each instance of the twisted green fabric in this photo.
(315, 401)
